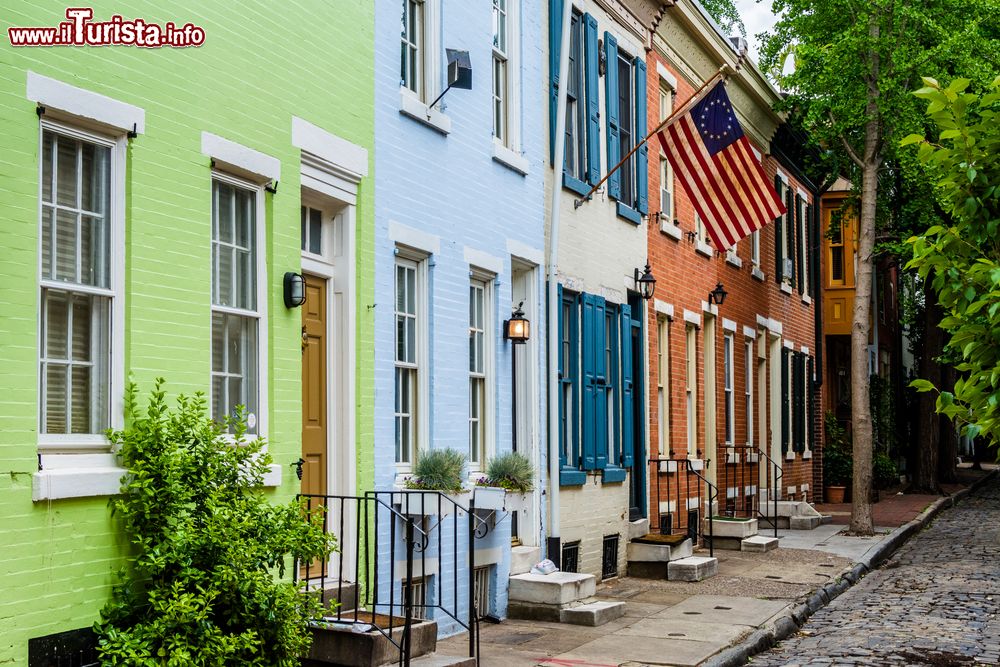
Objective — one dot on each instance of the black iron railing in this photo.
(750, 470)
(682, 483)
(380, 575)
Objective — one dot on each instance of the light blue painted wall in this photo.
(451, 187)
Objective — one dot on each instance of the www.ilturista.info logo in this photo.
(80, 30)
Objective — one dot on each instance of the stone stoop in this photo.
(522, 559)
(730, 533)
(693, 568)
(435, 660)
(548, 597)
(648, 555)
(338, 644)
(759, 544)
(792, 514)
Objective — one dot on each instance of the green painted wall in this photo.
(259, 66)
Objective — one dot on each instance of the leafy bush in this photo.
(884, 470)
(438, 470)
(512, 471)
(838, 463)
(201, 585)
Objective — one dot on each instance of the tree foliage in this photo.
(202, 586)
(726, 15)
(962, 259)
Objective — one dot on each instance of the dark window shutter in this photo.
(785, 426)
(562, 376)
(627, 388)
(589, 383)
(593, 100)
(641, 155)
(598, 420)
(814, 252)
(611, 101)
(779, 260)
(802, 237)
(555, 40)
(797, 404)
(810, 409)
(789, 223)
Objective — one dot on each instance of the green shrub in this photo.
(202, 586)
(884, 470)
(838, 462)
(512, 471)
(438, 470)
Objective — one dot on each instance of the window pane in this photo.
(315, 231)
(411, 340)
(81, 328)
(55, 399)
(302, 230)
(48, 147)
(66, 172)
(65, 246)
(244, 218)
(95, 178)
(55, 324)
(225, 212)
(225, 275)
(401, 338)
(81, 400)
(218, 342)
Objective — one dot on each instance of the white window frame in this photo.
(666, 186)
(419, 422)
(755, 249)
(416, 104)
(663, 383)
(118, 145)
(785, 278)
(260, 314)
(487, 420)
(729, 388)
(804, 242)
(691, 388)
(511, 56)
(748, 370)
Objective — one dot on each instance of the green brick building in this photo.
(152, 202)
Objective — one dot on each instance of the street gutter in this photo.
(788, 621)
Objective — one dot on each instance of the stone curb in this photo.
(788, 621)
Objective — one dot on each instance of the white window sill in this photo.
(806, 455)
(703, 249)
(806, 299)
(786, 288)
(510, 158)
(734, 260)
(410, 105)
(671, 230)
(790, 456)
(757, 273)
(697, 464)
(93, 476)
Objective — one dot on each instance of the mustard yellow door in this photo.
(314, 398)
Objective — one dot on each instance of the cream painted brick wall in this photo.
(590, 512)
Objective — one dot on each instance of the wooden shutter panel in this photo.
(810, 408)
(814, 252)
(589, 386)
(802, 237)
(555, 41)
(642, 155)
(562, 374)
(779, 260)
(593, 100)
(797, 401)
(785, 426)
(599, 418)
(789, 234)
(627, 389)
(611, 102)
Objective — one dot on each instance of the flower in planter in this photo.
(512, 471)
(438, 470)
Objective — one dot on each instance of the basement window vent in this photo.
(571, 557)
(483, 577)
(692, 527)
(76, 648)
(609, 560)
(419, 586)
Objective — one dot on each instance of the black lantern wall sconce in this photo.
(718, 295)
(517, 329)
(645, 283)
(295, 289)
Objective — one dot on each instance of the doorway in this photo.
(524, 399)
(314, 387)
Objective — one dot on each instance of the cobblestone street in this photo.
(934, 603)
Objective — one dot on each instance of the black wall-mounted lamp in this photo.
(718, 295)
(459, 73)
(645, 284)
(692, 235)
(295, 289)
(517, 329)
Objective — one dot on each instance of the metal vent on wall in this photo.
(571, 557)
(609, 559)
(483, 576)
(75, 648)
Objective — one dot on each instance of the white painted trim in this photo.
(728, 325)
(668, 506)
(757, 273)
(712, 309)
(414, 238)
(664, 308)
(806, 455)
(786, 288)
(697, 464)
(789, 344)
(733, 259)
(790, 490)
(228, 153)
(783, 176)
(482, 260)
(805, 350)
(666, 75)
(272, 478)
(76, 476)
(703, 248)
(806, 299)
(410, 105)
(329, 147)
(804, 488)
(526, 252)
(85, 104)
(790, 455)
(670, 229)
(750, 332)
(761, 321)
(510, 158)
(692, 503)
(692, 317)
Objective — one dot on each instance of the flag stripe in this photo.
(691, 180)
(759, 186)
(703, 182)
(750, 205)
(723, 225)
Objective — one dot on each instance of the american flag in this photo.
(715, 163)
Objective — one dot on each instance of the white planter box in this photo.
(430, 503)
(500, 499)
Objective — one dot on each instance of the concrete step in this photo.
(648, 560)
(693, 568)
(522, 559)
(558, 588)
(725, 527)
(348, 645)
(593, 613)
(435, 660)
(759, 544)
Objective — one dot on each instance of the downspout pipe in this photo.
(553, 544)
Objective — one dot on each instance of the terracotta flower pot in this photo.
(835, 494)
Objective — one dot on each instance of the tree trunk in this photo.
(948, 438)
(925, 461)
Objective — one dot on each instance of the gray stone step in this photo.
(436, 660)
(759, 544)
(340, 644)
(558, 588)
(693, 568)
(804, 522)
(523, 558)
(593, 613)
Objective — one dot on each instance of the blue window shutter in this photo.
(642, 155)
(562, 375)
(628, 394)
(785, 426)
(611, 101)
(589, 384)
(555, 41)
(779, 260)
(600, 416)
(593, 100)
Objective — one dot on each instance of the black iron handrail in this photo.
(666, 524)
(748, 505)
(713, 498)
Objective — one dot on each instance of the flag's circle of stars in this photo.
(704, 115)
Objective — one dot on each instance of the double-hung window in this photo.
(748, 380)
(613, 419)
(569, 434)
(80, 283)
(625, 97)
(576, 104)
(803, 245)
(663, 383)
(626, 127)
(236, 304)
(504, 46)
(412, 47)
(691, 389)
(480, 368)
(729, 372)
(408, 359)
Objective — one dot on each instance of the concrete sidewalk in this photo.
(684, 624)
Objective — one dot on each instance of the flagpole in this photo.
(720, 75)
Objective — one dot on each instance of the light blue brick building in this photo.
(460, 242)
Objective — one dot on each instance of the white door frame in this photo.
(525, 286)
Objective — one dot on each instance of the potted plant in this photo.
(838, 465)
(438, 472)
(507, 483)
